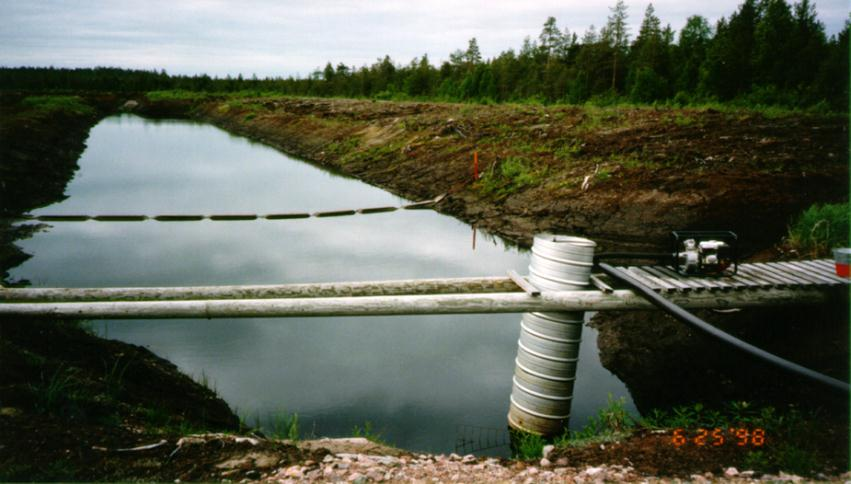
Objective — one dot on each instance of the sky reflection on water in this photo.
(417, 378)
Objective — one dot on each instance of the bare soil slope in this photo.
(623, 175)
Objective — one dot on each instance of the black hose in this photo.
(692, 320)
(632, 255)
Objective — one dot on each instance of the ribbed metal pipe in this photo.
(548, 348)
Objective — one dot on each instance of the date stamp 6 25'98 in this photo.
(717, 437)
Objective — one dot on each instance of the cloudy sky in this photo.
(289, 37)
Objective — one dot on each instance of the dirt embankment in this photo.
(69, 399)
(625, 177)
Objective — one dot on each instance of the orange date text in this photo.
(717, 437)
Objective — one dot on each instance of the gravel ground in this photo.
(362, 468)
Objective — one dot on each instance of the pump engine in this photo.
(705, 253)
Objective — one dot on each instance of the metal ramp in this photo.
(817, 273)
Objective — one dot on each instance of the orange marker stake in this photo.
(475, 165)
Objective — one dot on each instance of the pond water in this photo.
(424, 382)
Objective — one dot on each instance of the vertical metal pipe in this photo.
(548, 348)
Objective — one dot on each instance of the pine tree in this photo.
(649, 60)
(616, 34)
(831, 82)
(328, 72)
(807, 44)
(772, 36)
(551, 39)
(592, 67)
(472, 56)
(728, 70)
(691, 52)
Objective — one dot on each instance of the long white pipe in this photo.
(397, 305)
(278, 291)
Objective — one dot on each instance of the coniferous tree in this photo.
(772, 36)
(551, 39)
(593, 67)
(831, 82)
(649, 60)
(691, 53)
(808, 45)
(616, 34)
(728, 71)
(552, 47)
(472, 56)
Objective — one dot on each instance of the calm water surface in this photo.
(423, 381)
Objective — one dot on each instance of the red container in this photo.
(842, 258)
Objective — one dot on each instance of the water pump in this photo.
(705, 252)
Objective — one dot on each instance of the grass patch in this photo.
(794, 439)
(250, 107)
(603, 174)
(157, 417)
(206, 382)
(526, 445)
(59, 394)
(176, 95)
(631, 162)
(369, 433)
(532, 148)
(611, 421)
(681, 119)
(183, 95)
(285, 426)
(279, 425)
(792, 435)
(348, 152)
(65, 469)
(509, 176)
(49, 105)
(568, 151)
(160, 420)
(596, 117)
(344, 146)
(114, 376)
(819, 229)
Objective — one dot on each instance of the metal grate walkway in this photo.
(766, 275)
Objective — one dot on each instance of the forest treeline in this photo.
(767, 52)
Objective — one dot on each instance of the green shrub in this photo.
(610, 420)
(114, 376)
(176, 95)
(285, 426)
(369, 433)
(526, 445)
(512, 174)
(59, 394)
(819, 229)
(58, 104)
(648, 86)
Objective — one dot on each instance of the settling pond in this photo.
(424, 382)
